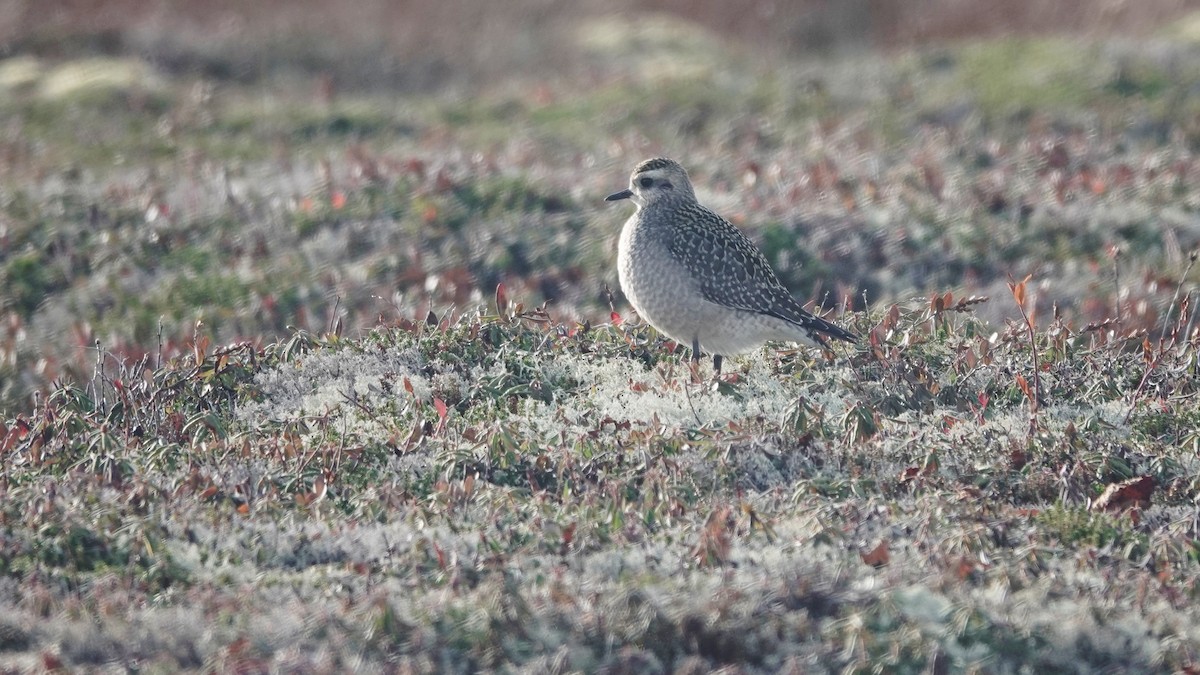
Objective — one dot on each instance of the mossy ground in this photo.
(501, 489)
(286, 421)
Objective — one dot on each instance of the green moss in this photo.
(803, 270)
(28, 279)
(1018, 75)
(1141, 79)
(1075, 527)
(500, 195)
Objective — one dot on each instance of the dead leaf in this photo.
(200, 346)
(418, 431)
(9, 436)
(1018, 289)
(714, 545)
(441, 555)
(964, 567)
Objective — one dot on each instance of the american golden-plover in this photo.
(697, 279)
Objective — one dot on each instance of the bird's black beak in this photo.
(616, 196)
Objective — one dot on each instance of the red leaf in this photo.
(1126, 494)
(51, 662)
(415, 166)
(893, 317)
(567, 537)
(878, 556)
(1017, 459)
(616, 319)
(1018, 291)
(501, 298)
(9, 437)
(440, 406)
(964, 567)
(1024, 386)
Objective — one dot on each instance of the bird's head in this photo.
(656, 180)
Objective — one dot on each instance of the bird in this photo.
(697, 279)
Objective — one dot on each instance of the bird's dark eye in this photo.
(646, 182)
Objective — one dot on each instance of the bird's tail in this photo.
(819, 328)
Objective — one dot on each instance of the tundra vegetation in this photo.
(313, 362)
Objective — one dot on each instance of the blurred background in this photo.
(238, 171)
(423, 44)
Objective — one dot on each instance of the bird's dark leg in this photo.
(717, 364)
(695, 360)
